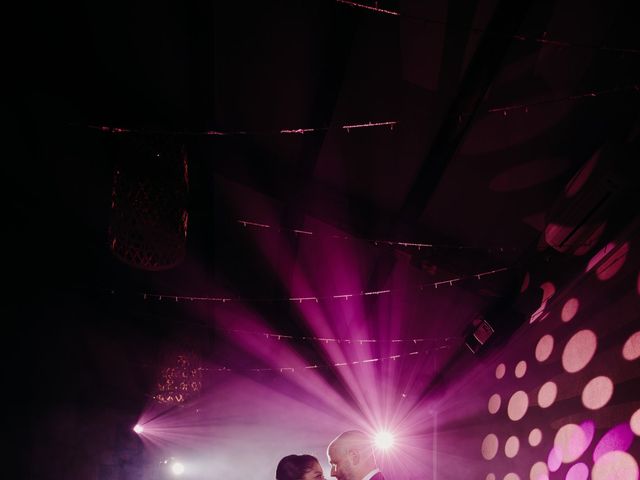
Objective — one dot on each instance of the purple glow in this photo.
(314, 404)
(138, 428)
(618, 438)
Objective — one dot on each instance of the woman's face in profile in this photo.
(315, 473)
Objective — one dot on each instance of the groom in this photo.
(351, 457)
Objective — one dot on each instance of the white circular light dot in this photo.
(571, 441)
(535, 437)
(512, 446)
(518, 405)
(489, 447)
(631, 349)
(569, 309)
(544, 348)
(539, 471)
(579, 351)
(547, 394)
(579, 471)
(615, 465)
(634, 422)
(494, 403)
(597, 393)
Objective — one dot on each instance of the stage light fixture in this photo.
(138, 428)
(480, 335)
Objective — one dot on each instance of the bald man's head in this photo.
(351, 455)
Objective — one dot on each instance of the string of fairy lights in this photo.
(314, 366)
(340, 296)
(184, 379)
(590, 94)
(347, 127)
(342, 341)
(390, 124)
(375, 241)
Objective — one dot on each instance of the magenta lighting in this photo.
(383, 440)
(138, 428)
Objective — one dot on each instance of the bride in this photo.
(299, 467)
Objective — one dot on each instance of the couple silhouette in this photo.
(351, 457)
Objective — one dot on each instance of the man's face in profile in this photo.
(341, 467)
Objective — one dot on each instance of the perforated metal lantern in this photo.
(149, 217)
(180, 380)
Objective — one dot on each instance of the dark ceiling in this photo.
(495, 106)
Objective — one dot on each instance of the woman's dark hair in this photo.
(293, 467)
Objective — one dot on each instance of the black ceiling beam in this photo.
(482, 69)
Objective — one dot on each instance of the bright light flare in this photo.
(383, 440)
(138, 428)
(177, 468)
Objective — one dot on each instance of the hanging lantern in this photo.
(149, 217)
(180, 380)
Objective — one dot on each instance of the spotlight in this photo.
(483, 331)
(177, 468)
(138, 428)
(383, 440)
